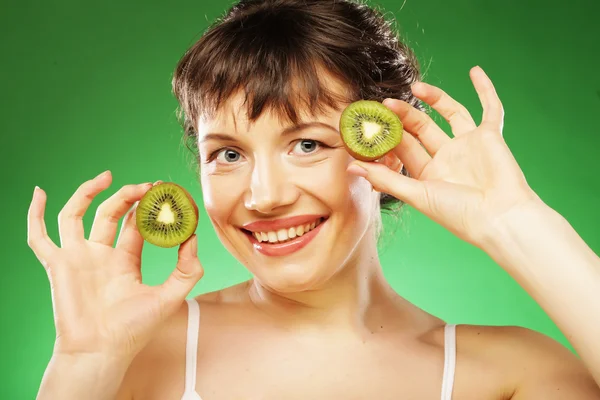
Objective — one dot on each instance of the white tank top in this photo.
(191, 353)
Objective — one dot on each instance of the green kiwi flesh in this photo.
(370, 130)
(167, 215)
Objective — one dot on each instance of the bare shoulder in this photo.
(533, 365)
(171, 335)
(160, 366)
(160, 361)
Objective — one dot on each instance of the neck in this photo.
(357, 296)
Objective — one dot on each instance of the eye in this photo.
(228, 156)
(306, 146)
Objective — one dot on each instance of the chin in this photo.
(294, 278)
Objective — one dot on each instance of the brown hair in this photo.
(273, 50)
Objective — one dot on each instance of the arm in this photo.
(543, 253)
(104, 313)
(472, 185)
(83, 377)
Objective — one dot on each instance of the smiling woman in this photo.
(261, 95)
(272, 176)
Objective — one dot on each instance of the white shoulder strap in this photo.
(450, 361)
(191, 347)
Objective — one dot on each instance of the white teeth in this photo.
(272, 237)
(283, 235)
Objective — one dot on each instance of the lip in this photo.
(289, 247)
(283, 223)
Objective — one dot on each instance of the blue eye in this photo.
(228, 156)
(306, 146)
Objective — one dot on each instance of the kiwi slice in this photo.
(370, 130)
(167, 215)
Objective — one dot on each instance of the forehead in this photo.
(233, 118)
(233, 113)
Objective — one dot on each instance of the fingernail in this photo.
(103, 174)
(357, 170)
(417, 84)
(387, 102)
(477, 70)
(35, 190)
(158, 182)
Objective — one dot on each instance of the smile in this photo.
(283, 235)
(285, 240)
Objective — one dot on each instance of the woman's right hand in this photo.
(100, 304)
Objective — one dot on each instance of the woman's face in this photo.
(280, 198)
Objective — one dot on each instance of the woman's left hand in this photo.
(466, 183)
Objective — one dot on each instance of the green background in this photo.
(86, 87)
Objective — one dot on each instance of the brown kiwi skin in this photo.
(158, 183)
(361, 157)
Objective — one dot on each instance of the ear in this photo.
(391, 161)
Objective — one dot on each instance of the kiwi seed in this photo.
(167, 215)
(370, 130)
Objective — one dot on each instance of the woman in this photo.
(261, 93)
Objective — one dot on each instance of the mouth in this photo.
(286, 240)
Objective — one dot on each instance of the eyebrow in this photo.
(287, 131)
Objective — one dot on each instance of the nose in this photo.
(269, 188)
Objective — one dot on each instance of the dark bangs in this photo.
(292, 56)
(282, 56)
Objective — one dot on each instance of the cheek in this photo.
(341, 191)
(220, 196)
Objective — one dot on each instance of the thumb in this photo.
(185, 276)
(385, 180)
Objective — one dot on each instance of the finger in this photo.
(391, 160)
(419, 124)
(385, 180)
(110, 212)
(70, 218)
(452, 111)
(412, 154)
(493, 112)
(37, 236)
(130, 239)
(185, 276)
